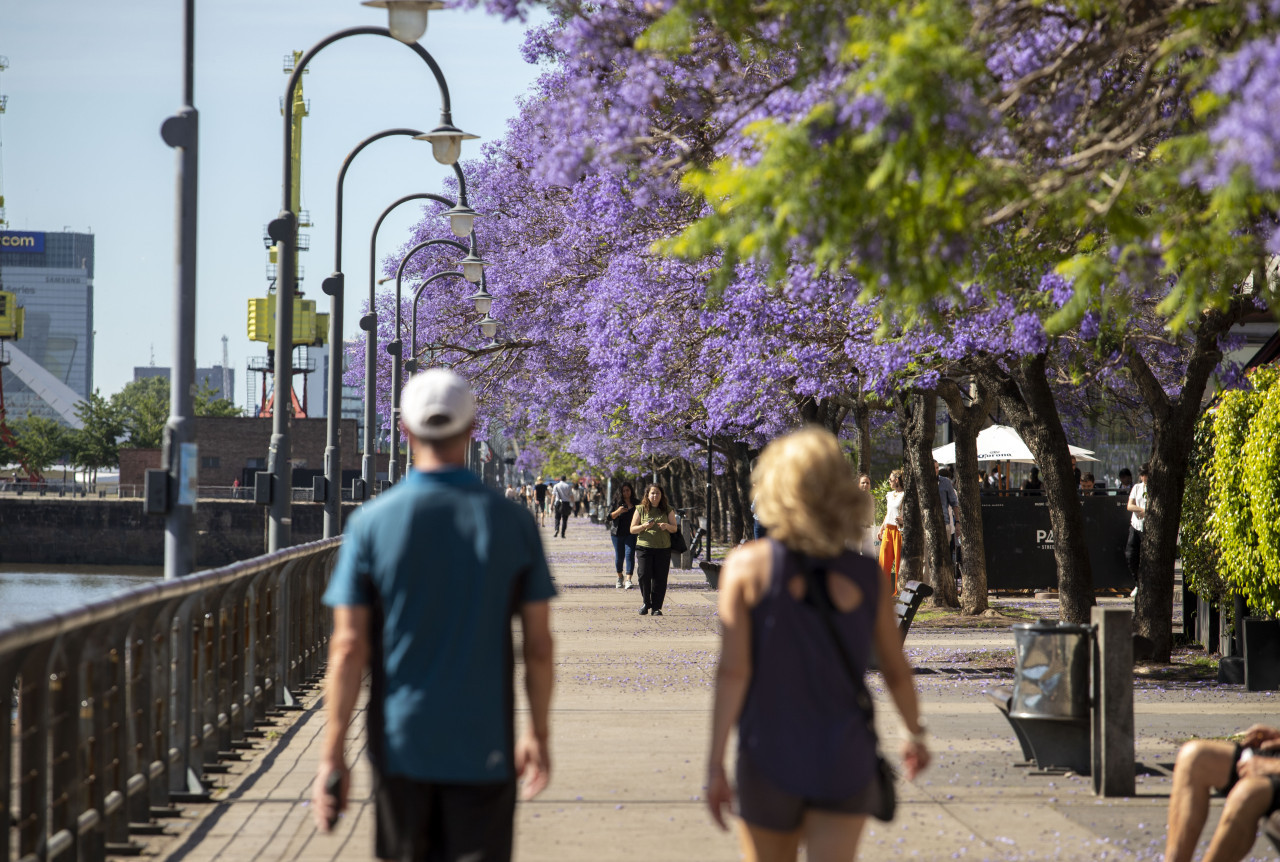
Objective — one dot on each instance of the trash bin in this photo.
(1051, 695)
(1051, 679)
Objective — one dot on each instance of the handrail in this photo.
(125, 703)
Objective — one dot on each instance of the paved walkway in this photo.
(629, 730)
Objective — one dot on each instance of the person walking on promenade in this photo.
(1138, 506)
(1247, 773)
(800, 613)
(562, 500)
(891, 530)
(540, 501)
(652, 525)
(427, 581)
(624, 541)
(867, 544)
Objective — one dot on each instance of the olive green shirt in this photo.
(654, 539)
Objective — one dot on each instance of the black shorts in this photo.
(426, 822)
(1235, 776)
(762, 803)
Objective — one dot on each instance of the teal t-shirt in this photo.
(443, 563)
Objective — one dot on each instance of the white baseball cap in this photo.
(437, 403)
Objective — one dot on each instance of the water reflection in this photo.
(36, 591)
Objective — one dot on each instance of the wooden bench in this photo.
(910, 597)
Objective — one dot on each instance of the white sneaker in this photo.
(1134, 594)
(629, 585)
(618, 585)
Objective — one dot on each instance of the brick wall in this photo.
(229, 444)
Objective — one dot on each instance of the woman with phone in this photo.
(652, 525)
(624, 541)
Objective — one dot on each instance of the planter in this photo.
(711, 568)
(1261, 654)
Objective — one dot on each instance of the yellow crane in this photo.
(310, 328)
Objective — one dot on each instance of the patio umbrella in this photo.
(1002, 443)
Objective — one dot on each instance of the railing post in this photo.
(33, 781)
(8, 676)
(185, 777)
(65, 776)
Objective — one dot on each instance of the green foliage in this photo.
(206, 405)
(143, 406)
(1244, 490)
(879, 492)
(42, 441)
(1200, 556)
(96, 444)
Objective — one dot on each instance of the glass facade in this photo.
(55, 285)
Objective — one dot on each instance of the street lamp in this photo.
(407, 19)
(284, 230)
(396, 347)
(369, 322)
(334, 286)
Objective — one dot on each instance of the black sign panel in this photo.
(1019, 542)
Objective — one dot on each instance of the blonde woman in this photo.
(800, 614)
(891, 530)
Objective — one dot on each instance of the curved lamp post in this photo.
(446, 141)
(457, 212)
(461, 220)
(483, 301)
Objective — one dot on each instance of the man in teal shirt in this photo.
(427, 582)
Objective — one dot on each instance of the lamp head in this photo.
(472, 268)
(406, 19)
(446, 142)
(462, 219)
(488, 326)
(483, 300)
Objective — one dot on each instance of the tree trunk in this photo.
(1024, 394)
(862, 433)
(736, 513)
(1172, 424)
(967, 419)
(918, 412)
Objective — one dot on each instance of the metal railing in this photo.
(124, 705)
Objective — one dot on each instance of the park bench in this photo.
(910, 597)
(1048, 704)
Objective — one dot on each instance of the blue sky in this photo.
(89, 84)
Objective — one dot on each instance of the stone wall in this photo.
(117, 533)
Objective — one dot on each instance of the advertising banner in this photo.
(22, 241)
(1019, 542)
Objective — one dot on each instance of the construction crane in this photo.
(4, 102)
(310, 329)
(12, 319)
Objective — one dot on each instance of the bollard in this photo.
(1113, 731)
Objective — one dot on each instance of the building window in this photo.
(210, 462)
(257, 464)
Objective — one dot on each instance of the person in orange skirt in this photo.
(891, 530)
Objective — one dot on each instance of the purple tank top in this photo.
(800, 725)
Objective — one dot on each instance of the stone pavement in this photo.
(629, 730)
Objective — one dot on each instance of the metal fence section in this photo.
(123, 706)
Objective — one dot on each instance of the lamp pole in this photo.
(471, 266)
(460, 216)
(181, 131)
(446, 141)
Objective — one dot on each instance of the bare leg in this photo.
(1245, 805)
(830, 837)
(767, 845)
(1201, 767)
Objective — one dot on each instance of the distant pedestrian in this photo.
(891, 530)
(579, 495)
(428, 579)
(624, 541)
(235, 489)
(1032, 485)
(800, 616)
(540, 501)
(562, 496)
(1138, 506)
(1124, 482)
(950, 506)
(652, 525)
(869, 539)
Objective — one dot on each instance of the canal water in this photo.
(30, 591)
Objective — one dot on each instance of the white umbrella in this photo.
(1002, 443)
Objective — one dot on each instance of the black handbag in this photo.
(887, 802)
(678, 543)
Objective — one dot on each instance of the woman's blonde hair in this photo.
(807, 494)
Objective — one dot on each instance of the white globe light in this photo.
(406, 19)
(446, 142)
(488, 327)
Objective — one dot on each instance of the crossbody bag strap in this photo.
(813, 569)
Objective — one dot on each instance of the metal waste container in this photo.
(1051, 679)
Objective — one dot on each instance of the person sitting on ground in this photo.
(801, 613)
(1247, 773)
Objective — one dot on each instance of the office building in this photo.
(214, 379)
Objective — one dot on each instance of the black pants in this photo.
(563, 509)
(1133, 552)
(421, 822)
(652, 566)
